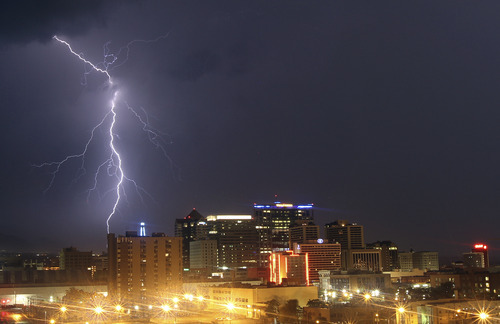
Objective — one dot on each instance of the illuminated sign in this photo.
(481, 246)
(284, 205)
(212, 218)
(234, 217)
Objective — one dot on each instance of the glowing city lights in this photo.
(483, 316)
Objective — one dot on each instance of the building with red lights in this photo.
(289, 269)
(482, 248)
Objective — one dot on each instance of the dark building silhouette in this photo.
(72, 259)
(303, 231)
(188, 229)
(389, 254)
(350, 236)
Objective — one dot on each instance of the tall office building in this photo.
(237, 240)
(273, 224)
(188, 228)
(143, 267)
(322, 256)
(389, 254)
(303, 231)
(349, 235)
(482, 248)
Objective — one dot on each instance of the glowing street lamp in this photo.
(483, 316)
(400, 314)
(63, 309)
(176, 300)
(98, 310)
(230, 307)
(367, 297)
(118, 308)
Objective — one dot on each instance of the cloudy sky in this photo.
(384, 113)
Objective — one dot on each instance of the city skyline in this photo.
(384, 115)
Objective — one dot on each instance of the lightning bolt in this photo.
(114, 163)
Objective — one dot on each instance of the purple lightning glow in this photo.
(113, 164)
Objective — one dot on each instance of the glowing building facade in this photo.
(289, 268)
(142, 266)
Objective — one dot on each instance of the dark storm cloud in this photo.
(382, 113)
(192, 66)
(25, 21)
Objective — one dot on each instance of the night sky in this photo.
(385, 113)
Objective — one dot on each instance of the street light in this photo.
(483, 316)
(400, 314)
(63, 310)
(98, 310)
